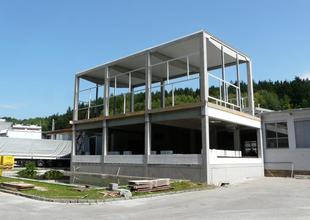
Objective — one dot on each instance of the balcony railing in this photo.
(226, 94)
(90, 104)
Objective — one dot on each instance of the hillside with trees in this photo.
(276, 95)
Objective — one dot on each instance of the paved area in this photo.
(265, 198)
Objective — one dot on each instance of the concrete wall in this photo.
(286, 158)
(192, 172)
(220, 173)
(234, 173)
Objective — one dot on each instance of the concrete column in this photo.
(260, 150)
(75, 117)
(106, 94)
(104, 139)
(224, 93)
(162, 94)
(132, 99)
(73, 147)
(96, 101)
(238, 81)
(147, 150)
(148, 82)
(291, 132)
(237, 143)
(148, 106)
(106, 98)
(76, 98)
(114, 97)
(250, 88)
(204, 93)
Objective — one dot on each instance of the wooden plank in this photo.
(17, 185)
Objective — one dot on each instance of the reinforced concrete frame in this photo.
(136, 75)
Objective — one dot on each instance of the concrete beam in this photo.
(134, 74)
(94, 80)
(177, 63)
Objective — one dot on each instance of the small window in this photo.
(302, 134)
(276, 135)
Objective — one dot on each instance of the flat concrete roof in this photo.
(187, 45)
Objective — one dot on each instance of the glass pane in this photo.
(271, 143)
(282, 129)
(302, 134)
(283, 143)
(271, 130)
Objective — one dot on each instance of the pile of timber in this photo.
(16, 185)
(149, 185)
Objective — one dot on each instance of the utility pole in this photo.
(53, 129)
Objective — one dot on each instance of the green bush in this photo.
(53, 175)
(30, 171)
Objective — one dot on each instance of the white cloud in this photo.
(305, 75)
(7, 106)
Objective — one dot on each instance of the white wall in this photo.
(24, 134)
(285, 158)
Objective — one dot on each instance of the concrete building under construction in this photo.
(182, 109)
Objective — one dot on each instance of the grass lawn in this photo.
(56, 191)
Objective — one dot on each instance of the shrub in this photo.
(30, 171)
(53, 175)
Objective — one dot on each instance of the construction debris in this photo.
(125, 193)
(119, 192)
(40, 188)
(149, 185)
(16, 185)
(110, 193)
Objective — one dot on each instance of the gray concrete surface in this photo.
(265, 198)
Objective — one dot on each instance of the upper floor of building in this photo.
(189, 71)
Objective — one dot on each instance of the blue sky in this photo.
(44, 43)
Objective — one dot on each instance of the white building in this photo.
(61, 134)
(7, 129)
(287, 140)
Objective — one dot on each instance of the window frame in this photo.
(276, 138)
(300, 120)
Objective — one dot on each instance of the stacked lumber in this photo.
(17, 185)
(149, 185)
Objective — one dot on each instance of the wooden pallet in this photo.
(149, 185)
(17, 185)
